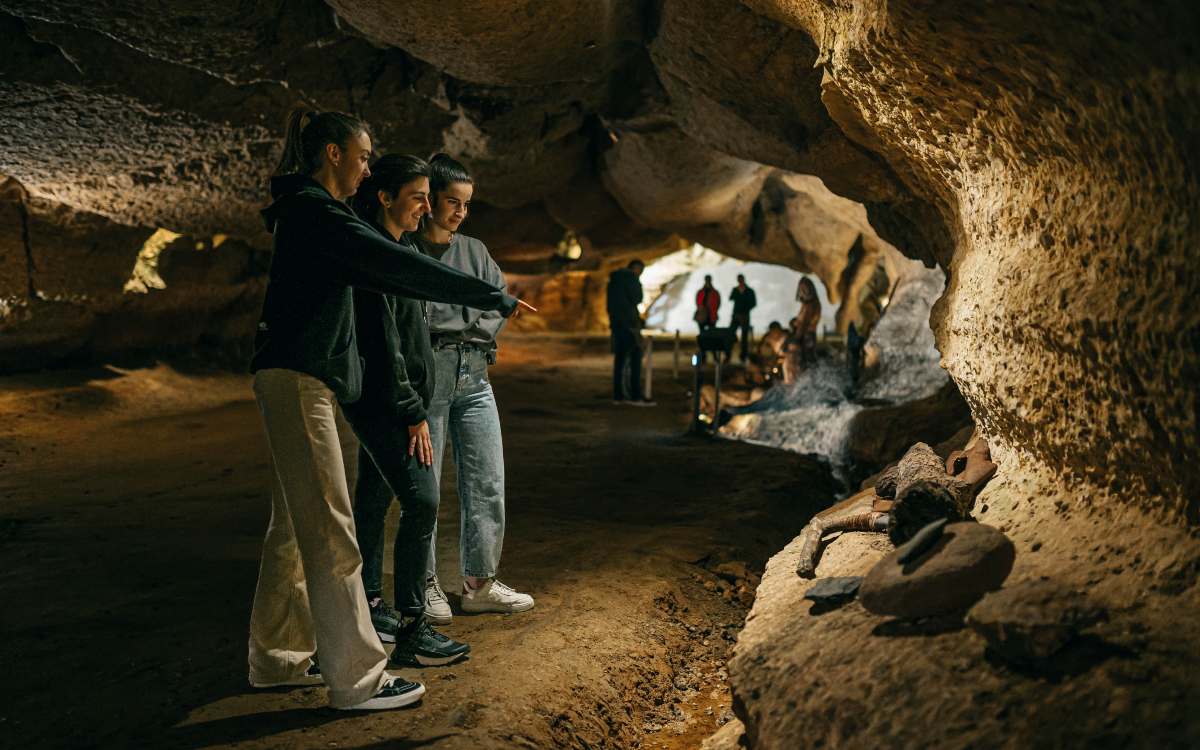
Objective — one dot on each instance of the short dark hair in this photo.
(389, 173)
(308, 132)
(636, 262)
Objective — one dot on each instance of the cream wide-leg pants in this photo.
(310, 591)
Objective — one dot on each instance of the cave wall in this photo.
(1063, 168)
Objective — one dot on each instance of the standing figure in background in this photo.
(463, 407)
(708, 300)
(744, 300)
(624, 294)
(804, 328)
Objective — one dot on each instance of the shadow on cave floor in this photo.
(129, 543)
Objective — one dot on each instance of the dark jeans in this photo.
(703, 327)
(385, 470)
(626, 351)
(742, 323)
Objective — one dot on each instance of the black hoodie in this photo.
(393, 336)
(322, 250)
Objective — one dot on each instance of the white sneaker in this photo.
(493, 596)
(437, 606)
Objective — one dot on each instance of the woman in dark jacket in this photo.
(309, 589)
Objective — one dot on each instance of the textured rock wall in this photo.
(1063, 168)
(1050, 150)
(72, 287)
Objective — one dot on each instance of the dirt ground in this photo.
(132, 507)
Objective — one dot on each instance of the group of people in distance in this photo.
(376, 305)
(788, 350)
(708, 302)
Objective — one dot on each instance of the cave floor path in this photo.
(132, 508)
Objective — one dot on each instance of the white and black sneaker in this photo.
(437, 606)
(311, 676)
(395, 693)
(419, 645)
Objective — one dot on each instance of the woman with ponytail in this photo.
(464, 407)
(310, 591)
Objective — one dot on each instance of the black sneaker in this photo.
(384, 618)
(395, 693)
(419, 645)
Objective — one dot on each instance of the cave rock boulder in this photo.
(966, 562)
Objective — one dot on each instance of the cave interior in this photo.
(1038, 161)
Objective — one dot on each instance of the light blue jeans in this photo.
(464, 407)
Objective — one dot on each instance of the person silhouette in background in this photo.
(744, 300)
(708, 301)
(624, 294)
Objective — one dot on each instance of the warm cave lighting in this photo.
(569, 247)
(145, 269)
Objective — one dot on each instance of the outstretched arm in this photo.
(363, 258)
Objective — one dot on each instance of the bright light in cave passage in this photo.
(671, 282)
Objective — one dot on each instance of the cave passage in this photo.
(134, 507)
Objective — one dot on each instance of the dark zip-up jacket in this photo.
(624, 294)
(393, 340)
(322, 251)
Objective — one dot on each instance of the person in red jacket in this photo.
(708, 300)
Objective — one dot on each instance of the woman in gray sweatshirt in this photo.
(463, 405)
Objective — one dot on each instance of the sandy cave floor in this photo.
(132, 507)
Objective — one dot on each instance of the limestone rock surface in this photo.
(1033, 619)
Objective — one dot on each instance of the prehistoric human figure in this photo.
(744, 300)
(771, 350)
(463, 408)
(310, 592)
(623, 296)
(802, 344)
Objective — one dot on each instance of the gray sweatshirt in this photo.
(455, 322)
